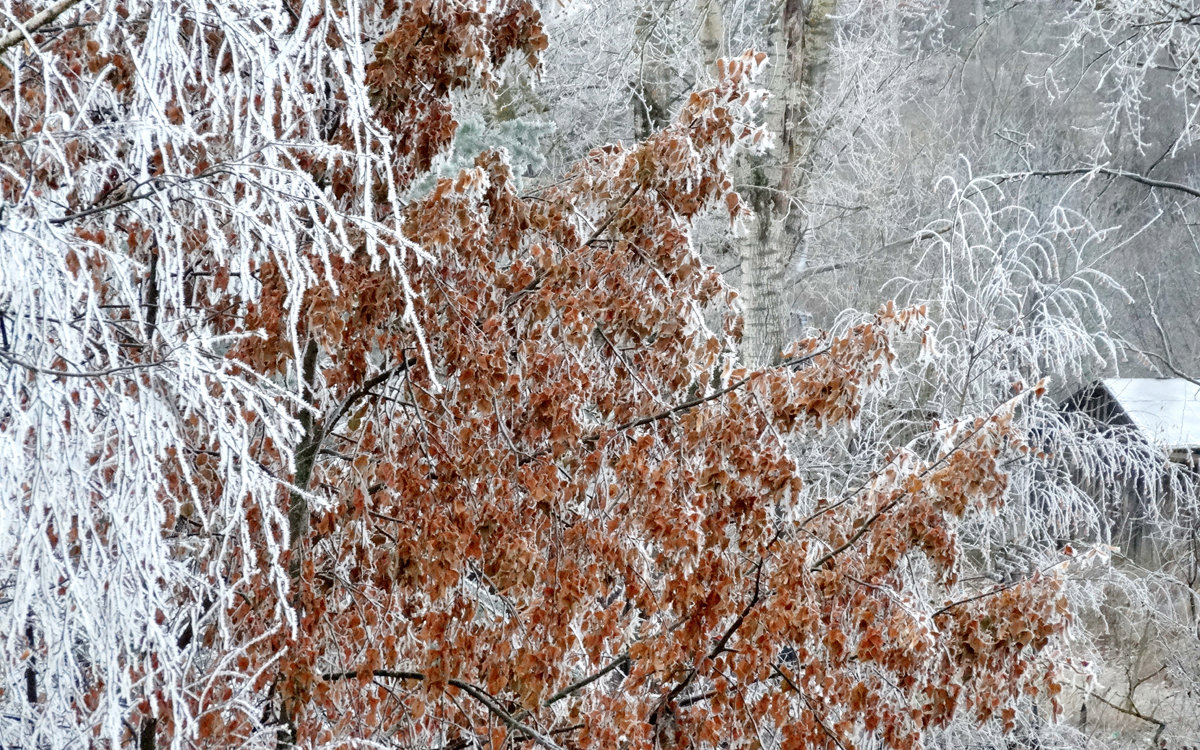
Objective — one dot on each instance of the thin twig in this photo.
(991, 592)
(829, 732)
(541, 276)
(76, 374)
(867, 524)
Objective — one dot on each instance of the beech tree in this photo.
(291, 461)
(1058, 244)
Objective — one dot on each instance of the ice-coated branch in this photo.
(37, 21)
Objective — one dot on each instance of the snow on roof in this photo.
(1167, 410)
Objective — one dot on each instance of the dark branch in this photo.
(693, 403)
(1108, 172)
(476, 692)
(365, 389)
(866, 526)
(1132, 711)
(685, 406)
(146, 733)
(306, 451)
(491, 705)
(575, 687)
(717, 650)
(389, 673)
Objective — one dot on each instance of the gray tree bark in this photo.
(712, 31)
(778, 180)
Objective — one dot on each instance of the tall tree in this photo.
(159, 159)
(1060, 243)
(293, 462)
(798, 42)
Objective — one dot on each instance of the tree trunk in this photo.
(779, 179)
(652, 88)
(712, 32)
(306, 456)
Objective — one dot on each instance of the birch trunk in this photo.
(712, 32)
(779, 180)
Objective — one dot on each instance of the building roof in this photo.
(1165, 410)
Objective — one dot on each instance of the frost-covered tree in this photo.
(298, 455)
(158, 158)
(1149, 63)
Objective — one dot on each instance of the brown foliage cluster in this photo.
(586, 486)
(434, 48)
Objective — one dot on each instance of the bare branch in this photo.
(490, 703)
(1107, 171)
(33, 24)
(77, 373)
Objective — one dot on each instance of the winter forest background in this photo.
(655, 374)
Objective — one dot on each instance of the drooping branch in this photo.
(812, 271)
(612, 215)
(685, 406)
(481, 695)
(755, 598)
(859, 534)
(989, 593)
(132, 197)
(1167, 357)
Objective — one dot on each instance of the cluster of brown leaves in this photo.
(437, 47)
(580, 528)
